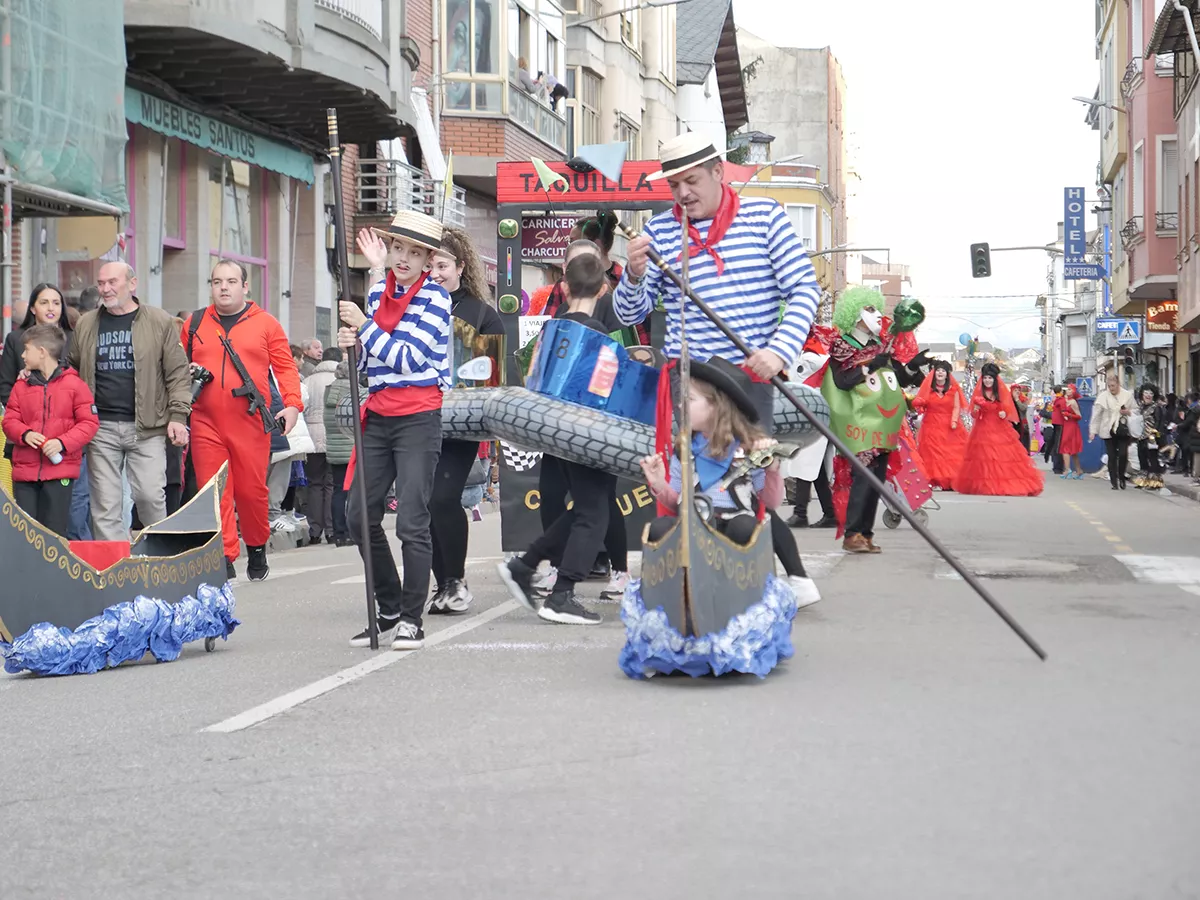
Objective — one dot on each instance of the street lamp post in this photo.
(645, 4)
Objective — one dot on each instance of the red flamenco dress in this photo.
(995, 463)
(941, 447)
(1071, 442)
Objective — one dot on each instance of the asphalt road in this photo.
(913, 748)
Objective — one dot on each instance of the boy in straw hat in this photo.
(403, 338)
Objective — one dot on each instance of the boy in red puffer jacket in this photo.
(50, 419)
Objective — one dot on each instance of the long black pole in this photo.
(360, 473)
(859, 469)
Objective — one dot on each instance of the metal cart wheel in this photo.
(921, 516)
(891, 519)
(210, 644)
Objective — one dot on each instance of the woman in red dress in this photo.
(942, 439)
(995, 462)
(1070, 445)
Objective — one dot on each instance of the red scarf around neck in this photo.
(391, 307)
(726, 213)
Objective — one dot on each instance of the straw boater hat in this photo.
(682, 152)
(413, 226)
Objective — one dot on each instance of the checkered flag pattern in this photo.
(518, 459)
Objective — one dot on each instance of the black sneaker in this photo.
(387, 631)
(452, 600)
(518, 578)
(562, 607)
(314, 539)
(797, 521)
(230, 571)
(602, 568)
(256, 564)
(343, 542)
(825, 522)
(408, 636)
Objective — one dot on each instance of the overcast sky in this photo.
(963, 129)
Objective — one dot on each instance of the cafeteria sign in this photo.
(545, 238)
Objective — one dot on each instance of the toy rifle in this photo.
(249, 389)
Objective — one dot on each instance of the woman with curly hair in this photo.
(458, 269)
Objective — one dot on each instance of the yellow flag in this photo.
(449, 184)
(548, 176)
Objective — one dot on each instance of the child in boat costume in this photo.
(736, 478)
(870, 363)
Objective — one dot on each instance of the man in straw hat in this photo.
(403, 338)
(745, 260)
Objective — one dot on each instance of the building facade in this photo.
(224, 107)
(799, 96)
(889, 278)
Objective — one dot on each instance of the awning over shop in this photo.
(212, 134)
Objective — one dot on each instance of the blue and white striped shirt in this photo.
(766, 268)
(415, 354)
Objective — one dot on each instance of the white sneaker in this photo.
(283, 523)
(408, 636)
(458, 598)
(545, 583)
(615, 589)
(805, 590)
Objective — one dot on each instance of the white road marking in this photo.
(1191, 588)
(361, 578)
(286, 572)
(1163, 569)
(525, 645)
(380, 660)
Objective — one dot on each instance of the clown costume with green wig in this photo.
(870, 362)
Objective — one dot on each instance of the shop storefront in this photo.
(199, 189)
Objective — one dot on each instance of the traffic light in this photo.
(1127, 359)
(981, 261)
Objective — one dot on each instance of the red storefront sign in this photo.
(545, 238)
(518, 182)
(1163, 315)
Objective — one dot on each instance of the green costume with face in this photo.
(870, 415)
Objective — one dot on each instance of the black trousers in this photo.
(337, 505)
(408, 446)
(1055, 456)
(1118, 459)
(864, 499)
(1148, 459)
(824, 494)
(319, 507)
(553, 488)
(47, 501)
(447, 517)
(577, 535)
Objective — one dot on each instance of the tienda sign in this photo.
(1164, 316)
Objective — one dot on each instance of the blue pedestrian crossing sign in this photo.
(1086, 387)
(1130, 332)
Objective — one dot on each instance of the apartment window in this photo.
(628, 133)
(1196, 199)
(629, 18)
(1168, 184)
(1120, 216)
(471, 60)
(588, 96)
(1139, 180)
(1108, 94)
(237, 219)
(804, 220)
(1135, 23)
(666, 43)
(827, 236)
(1186, 230)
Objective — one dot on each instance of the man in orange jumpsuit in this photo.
(222, 429)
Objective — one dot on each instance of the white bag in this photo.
(1137, 425)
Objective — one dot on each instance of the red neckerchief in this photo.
(726, 213)
(662, 425)
(391, 308)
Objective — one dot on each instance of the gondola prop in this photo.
(76, 607)
(821, 426)
(704, 604)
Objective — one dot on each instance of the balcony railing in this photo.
(367, 13)
(1132, 71)
(386, 186)
(1132, 229)
(1166, 221)
(537, 117)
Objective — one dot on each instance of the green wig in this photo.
(851, 304)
